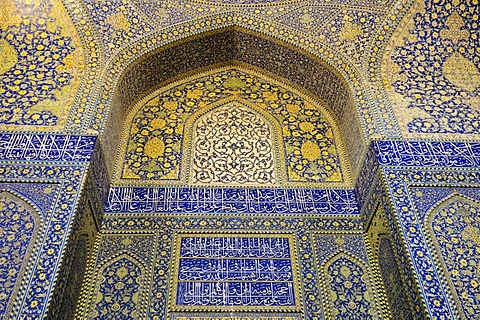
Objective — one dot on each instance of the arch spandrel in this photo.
(42, 65)
(453, 233)
(434, 90)
(157, 134)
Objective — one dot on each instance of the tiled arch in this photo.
(226, 46)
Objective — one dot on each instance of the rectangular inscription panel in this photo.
(225, 272)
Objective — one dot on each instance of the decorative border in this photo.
(164, 226)
(90, 282)
(188, 200)
(37, 292)
(32, 250)
(423, 154)
(378, 304)
(236, 233)
(237, 316)
(289, 36)
(451, 292)
(345, 167)
(46, 147)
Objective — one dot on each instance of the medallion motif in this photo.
(156, 147)
(118, 290)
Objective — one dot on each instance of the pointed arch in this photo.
(453, 234)
(20, 225)
(118, 288)
(156, 132)
(350, 288)
(129, 77)
(232, 142)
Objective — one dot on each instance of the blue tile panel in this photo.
(230, 200)
(428, 153)
(50, 246)
(46, 147)
(235, 271)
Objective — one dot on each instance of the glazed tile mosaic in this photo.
(46, 147)
(428, 153)
(243, 271)
(440, 83)
(174, 243)
(140, 200)
(48, 245)
(419, 244)
(268, 160)
(37, 94)
(233, 116)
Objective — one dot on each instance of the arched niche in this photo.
(20, 224)
(119, 288)
(229, 46)
(232, 143)
(159, 130)
(350, 289)
(453, 234)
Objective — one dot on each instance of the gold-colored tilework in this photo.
(161, 134)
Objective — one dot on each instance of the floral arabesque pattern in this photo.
(39, 64)
(442, 68)
(233, 144)
(350, 295)
(19, 226)
(155, 139)
(119, 289)
(455, 231)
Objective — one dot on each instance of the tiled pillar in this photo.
(434, 194)
(41, 180)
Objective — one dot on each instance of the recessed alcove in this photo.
(230, 47)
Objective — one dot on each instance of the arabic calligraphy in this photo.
(235, 294)
(230, 200)
(46, 147)
(235, 271)
(428, 153)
